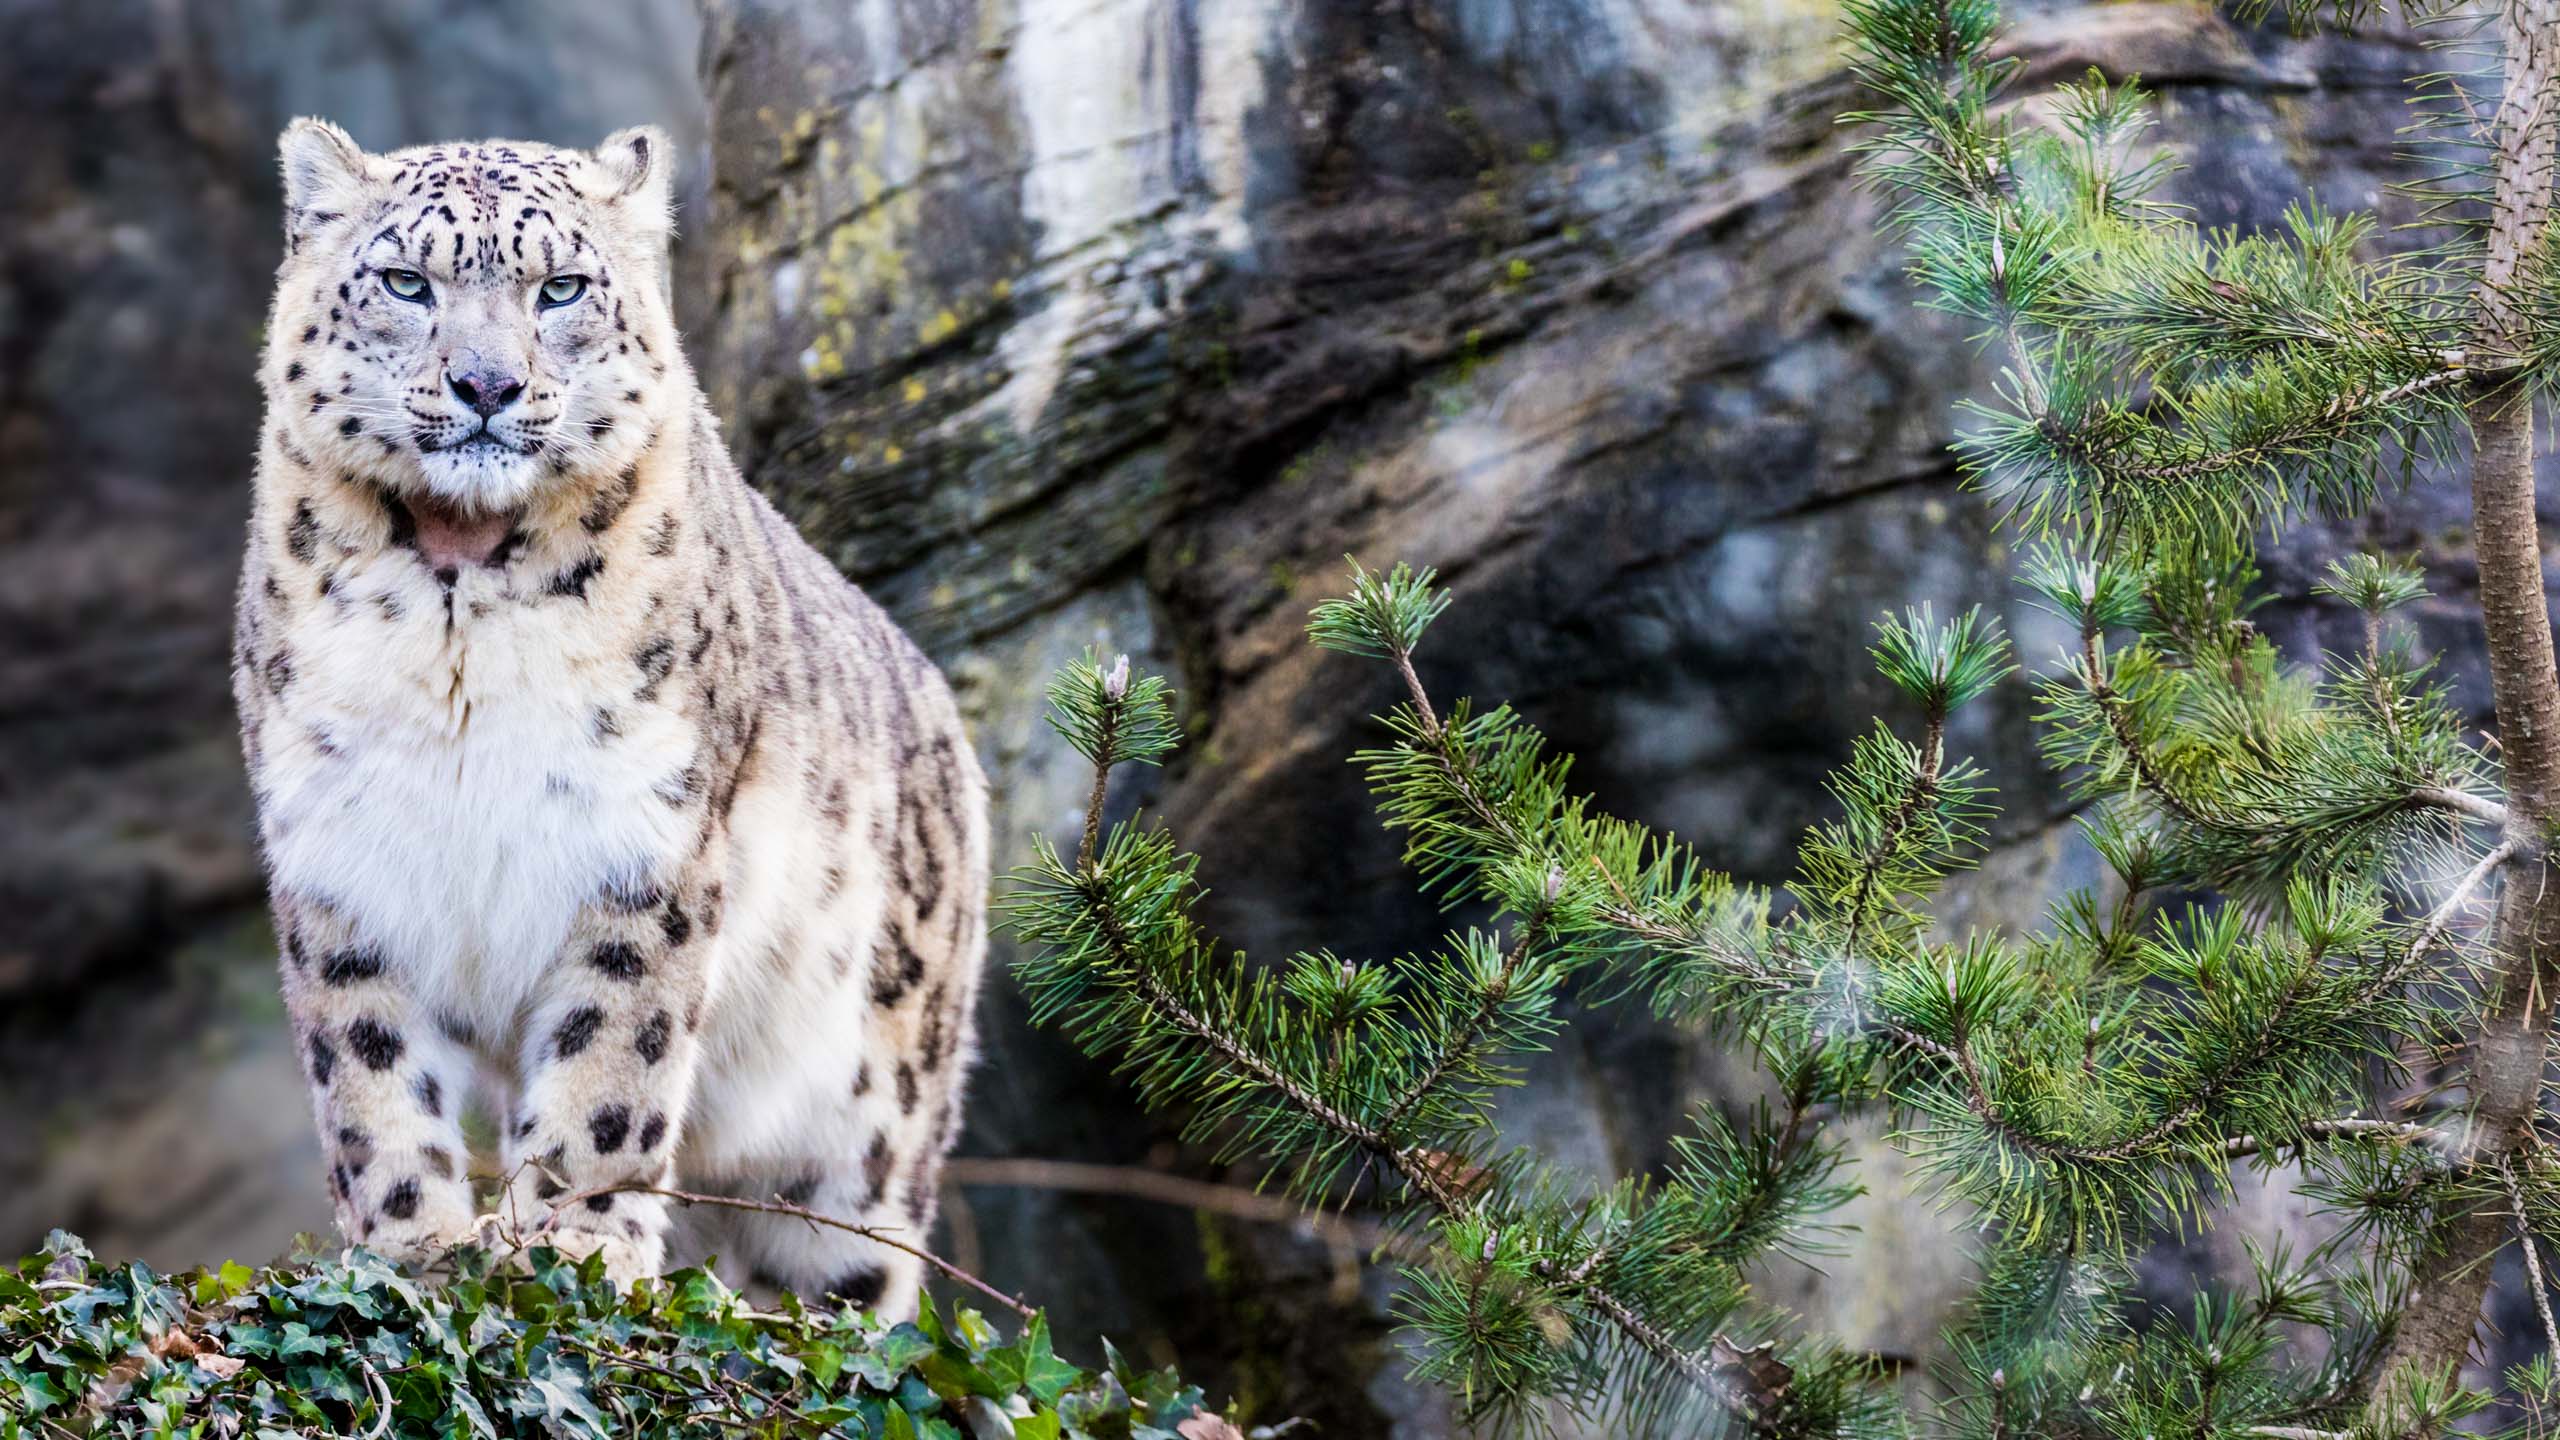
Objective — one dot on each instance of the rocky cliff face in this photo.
(1068, 324)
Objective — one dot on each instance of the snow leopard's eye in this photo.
(559, 290)
(407, 284)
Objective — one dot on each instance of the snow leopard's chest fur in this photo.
(443, 778)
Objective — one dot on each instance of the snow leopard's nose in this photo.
(484, 389)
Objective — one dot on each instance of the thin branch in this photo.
(2532, 1260)
(1979, 1099)
(1691, 1365)
(2441, 918)
(2397, 1132)
(804, 1213)
(1139, 1183)
(1101, 790)
(1976, 1092)
(712, 1385)
(2488, 812)
(381, 1394)
(1408, 1161)
(1403, 659)
(2120, 724)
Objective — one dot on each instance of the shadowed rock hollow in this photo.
(1065, 324)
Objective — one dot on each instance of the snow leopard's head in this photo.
(465, 324)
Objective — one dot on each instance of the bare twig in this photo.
(2462, 802)
(2397, 1132)
(2440, 919)
(381, 1394)
(2532, 1260)
(1139, 1183)
(1347, 1242)
(713, 1383)
(804, 1213)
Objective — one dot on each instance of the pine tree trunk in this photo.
(2507, 1055)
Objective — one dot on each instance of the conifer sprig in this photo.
(1341, 1079)
(2158, 376)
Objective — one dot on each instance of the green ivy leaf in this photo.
(492, 1353)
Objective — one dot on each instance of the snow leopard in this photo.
(590, 796)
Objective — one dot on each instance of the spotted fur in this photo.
(586, 787)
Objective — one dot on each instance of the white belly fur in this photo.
(468, 811)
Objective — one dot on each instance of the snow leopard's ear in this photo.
(324, 173)
(638, 168)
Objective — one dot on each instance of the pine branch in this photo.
(2264, 788)
(2092, 675)
(1643, 929)
(1692, 1366)
(1390, 1066)
(1419, 1170)
(1254, 1067)
(2171, 392)
(2289, 439)
(1923, 787)
(1106, 742)
(2393, 1132)
(1461, 1048)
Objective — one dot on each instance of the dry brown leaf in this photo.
(1756, 1376)
(1452, 1171)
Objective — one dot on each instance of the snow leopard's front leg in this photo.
(605, 1067)
(386, 1086)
